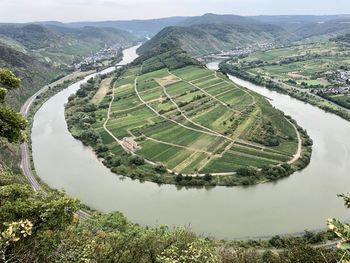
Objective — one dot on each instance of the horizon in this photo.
(165, 17)
(28, 11)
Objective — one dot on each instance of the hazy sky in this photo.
(77, 10)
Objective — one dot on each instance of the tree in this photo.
(25, 216)
(12, 123)
(137, 160)
(342, 230)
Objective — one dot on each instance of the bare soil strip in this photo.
(102, 91)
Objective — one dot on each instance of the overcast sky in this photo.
(78, 10)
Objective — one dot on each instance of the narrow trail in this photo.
(111, 134)
(205, 92)
(164, 117)
(183, 114)
(298, 153)
(246, 91)
(107, 119)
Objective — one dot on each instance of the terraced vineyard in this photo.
(193, 120)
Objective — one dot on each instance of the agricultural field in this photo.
(304, 66)
(191, 120)
(341, 99)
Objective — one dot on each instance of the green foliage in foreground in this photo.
(39, 227)
(12, 124)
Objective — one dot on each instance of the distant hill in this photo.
(328, 28)
(343, 38)
(140, 28)
(33, 72)
(214, 33)
(217, 19)
(60, 45)
(40, 54)
(297, 19)
(306, 26)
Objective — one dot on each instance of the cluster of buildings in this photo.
(331, 91)
(240, 51)
(248, 49)
(343, 76)
(94, 59)
(129, 144)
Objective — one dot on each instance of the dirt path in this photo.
(229, 81)
(164, 117)
(107, 119)
(184, 115)
(102, 91)
(298, 153)
(205, 92)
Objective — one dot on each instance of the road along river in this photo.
(302, 201)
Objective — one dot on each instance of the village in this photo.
(107, 52)
(342, 80)
(331, 90)
(239, 51)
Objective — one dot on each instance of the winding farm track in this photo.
(183, 113)
(205, 92)
(298, 153)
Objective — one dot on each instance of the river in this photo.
(302, 201)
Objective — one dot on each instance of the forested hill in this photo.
(202, 39)
(60, 45)
(39, 54)
(141, 28)
(33, 72)
(210, 18)
(310, 26)
(343, 38)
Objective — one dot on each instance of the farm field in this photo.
(193, 121)
(341, 99)
(305, 66)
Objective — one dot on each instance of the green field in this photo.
(304, 66)
(341, 99)
(193, 120)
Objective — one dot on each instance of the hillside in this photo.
(204, 39)
(216, 19)
(39, 55)
(140, 28)
(33, 72)
(61, 45)
(179, 119)
(310, 26)
(342, 38)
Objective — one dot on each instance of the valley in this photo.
(222, 138)
(150, 204)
